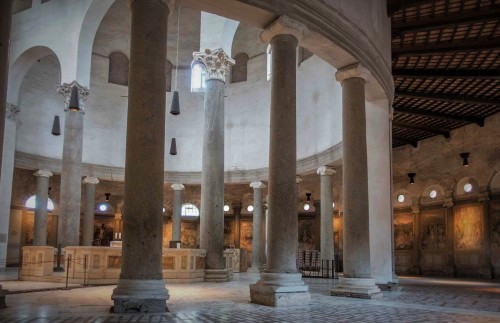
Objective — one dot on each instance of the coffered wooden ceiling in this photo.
(446, 66)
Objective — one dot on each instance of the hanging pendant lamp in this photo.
(74, 104)
(412, 177)
(465, 157)
(56, 126)
(175, 107)
(173, 147)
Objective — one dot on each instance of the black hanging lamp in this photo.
(465, 157)
(173, 147)
(56, 126)
(74, 104)
(175, 107)
(412, 177)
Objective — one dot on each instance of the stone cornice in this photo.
(216, 62)
(283, 26)
(177, 187)
(325, 171)
(42, 173)
(90, 180)
(65, 91)
(351, 71)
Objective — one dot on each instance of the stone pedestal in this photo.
(177, 210)
(281, 284)
(88, 216)
(141, 287)
(217, 65)
(357, 280)
(326, 228)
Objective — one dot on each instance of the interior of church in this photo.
(250, 160)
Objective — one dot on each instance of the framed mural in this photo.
(468, 227)
(495, 226)
(433, 230)
(403, 231)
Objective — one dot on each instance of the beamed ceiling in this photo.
(446, 66)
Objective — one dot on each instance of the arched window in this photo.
(189, 209)
(269, 62)
(118, 69)
(198, 77)
(239, 69)
(31, 203)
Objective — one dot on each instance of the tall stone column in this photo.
(327, 247)
(141, 287)
(450, 268)
(281, 284)
(417, 216)
(257, 226)
(177, 209)
(88, 215)
(263, 253)
(237, 224)
(357, 280)
(487, 266)
(217, 65)
(42, 197)
(68, 233)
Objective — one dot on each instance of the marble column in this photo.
(68, 233)
(263, 253)
(450, 267)
(237, 224)
(357, 280)
(42, 197)
(141, 287)
(217, 65)
(417, 216)
(7, 171)
(257, 226)
(327, 247)
(88, 215)
(487, 265)
(281, 284)
(177, 209)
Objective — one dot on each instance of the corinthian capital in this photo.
(65, 90)
(216, 62)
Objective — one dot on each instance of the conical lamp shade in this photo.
(74, 104)
(175, 108)
(56, 126)
(173, 147)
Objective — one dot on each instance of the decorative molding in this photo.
(12, 112)
(351, 71)
(325, 171)
(90, 180)
(415, 209)
(42, 173)
(257, 184)
(448, 202)
(177, 187)
(284, 26)
(216, 62)
(65, 90)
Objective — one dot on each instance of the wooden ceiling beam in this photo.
(447, 98)
(397, 5)
(405, 125)
(440, 116)
(439, 22)
(406, 141)
(480, 44)
(448, 74)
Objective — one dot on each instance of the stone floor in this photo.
(422, 300)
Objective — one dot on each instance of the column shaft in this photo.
(42, 196)
(237, 225)
(141, 287)
(5, 26)
(212, 182)
(327, 246)
(88, 216)
(257, 229)
(177, 208)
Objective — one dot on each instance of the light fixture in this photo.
(412, 177)
(226, 208)
(250, 208)
(56, 126)
(74, 104)
(173, 147)
(465, 157)
(175, 107)
(307, 206)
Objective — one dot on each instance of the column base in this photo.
(356, 287)
(217, 275)
(280, 290)
(140, 296)
(254, 270)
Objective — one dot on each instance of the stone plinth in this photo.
(218, 275)
(280, 289)
(153, 296)
(38, 261)
(356, 287)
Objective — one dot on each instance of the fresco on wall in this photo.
(468, 227)
(189, 235)
(246, 235)
(433, 231)
(167, 233)
(338, 223)
(495, 226)
(403, 232)
(306, 234)
(228, 233)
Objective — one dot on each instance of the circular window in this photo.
(333, 204)
(307, 207)
(250, 208)
(226, 208)
(401, 198)
(433, 194)
(103, 207)
(468, 187)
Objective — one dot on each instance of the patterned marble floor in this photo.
(422, 300)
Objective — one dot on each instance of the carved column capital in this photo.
(352, 71)
(257, 184)
(177, 187)
(326, 171)
(42, 173)
(65, 90)
(298, 179)
(284, 26)
(12, 112)
(216, 62)
(448, 202)
(90, 180)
